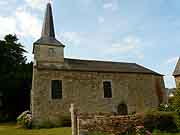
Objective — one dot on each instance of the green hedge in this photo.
(163, 121)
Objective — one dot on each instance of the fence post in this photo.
(73, 120)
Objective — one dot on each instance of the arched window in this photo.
(122, 109)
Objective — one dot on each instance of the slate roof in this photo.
(48, 31)
(177, 69)
(97, 66)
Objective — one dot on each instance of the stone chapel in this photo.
(93, 86)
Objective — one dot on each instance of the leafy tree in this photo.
(176, 105)
(15, 77)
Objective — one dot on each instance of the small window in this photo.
(51, 52)
(107, 89)
(56, 88)
(122, 109)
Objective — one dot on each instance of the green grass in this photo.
(13, 129)
(166, 134)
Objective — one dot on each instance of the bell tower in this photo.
(48, 49)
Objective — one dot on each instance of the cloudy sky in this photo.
(146, 32)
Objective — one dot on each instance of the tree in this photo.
(176, 105)
(15, 76)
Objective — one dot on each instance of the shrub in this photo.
(65, 121)
(163, 121)
(25, 119)
(140, 130)
(165, 107)
(176, 105)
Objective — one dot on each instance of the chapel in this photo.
(93, 86)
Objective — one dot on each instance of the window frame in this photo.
(110, 81)
(51, 52)
(52, 97)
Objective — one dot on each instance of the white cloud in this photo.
(28, 25)
(126, 45)
(7, 25)
(71, 38)
(101, 19)
(108, 5)
(2, 3)
(169, 81)
(36, 4)
(172, 60)
(7, 2)
(22, 23)
(113, 5)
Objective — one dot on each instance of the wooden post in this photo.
(73, 120)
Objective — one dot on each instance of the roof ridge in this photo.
(91, 60)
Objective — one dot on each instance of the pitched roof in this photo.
(177, 69)
(48, 31)
(97, 66)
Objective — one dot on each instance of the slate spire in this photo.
(48, 31)
(48, 25)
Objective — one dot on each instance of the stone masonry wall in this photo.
(107, 122)
(85, 90)
(177, 78)
(84, 123)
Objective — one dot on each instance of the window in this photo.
(56, 89)
(122, 109)
(107, 89)
(51, 52)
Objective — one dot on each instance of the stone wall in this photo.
(103, 122)
(177, 78)
(41, 53)
(107, 123)
(85, 90)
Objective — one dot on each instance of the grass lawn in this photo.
(12, 129)
(166, 134)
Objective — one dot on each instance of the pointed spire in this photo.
(48, 26)
(177, 69)
(48, 31)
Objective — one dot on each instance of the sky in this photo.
(146, 32)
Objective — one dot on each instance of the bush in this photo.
(176, 105)
(65, 121)
(163, 121)
(166, 107)
(25, 119)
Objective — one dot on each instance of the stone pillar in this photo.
(73, 120)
